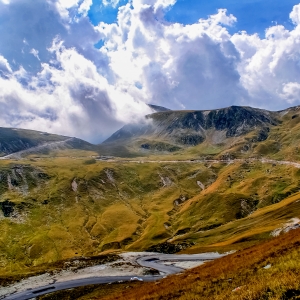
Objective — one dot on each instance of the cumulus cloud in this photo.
(52, 77)
(295, 14)
(58, 80)
(270, 68)
(201, 66)
(190, 66)
(69, 9)
(291, 92)
(85, 7)
(69, 97)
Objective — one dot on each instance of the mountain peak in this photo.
(157, 108)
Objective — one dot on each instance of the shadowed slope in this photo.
(13, 140)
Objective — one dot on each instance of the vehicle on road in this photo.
(136, 278)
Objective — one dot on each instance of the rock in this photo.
(191, 128)
(74, 185)
(166, 181)
(7, 208)
(180, 200)
(267, 267)
(201, 185)
(112, 245)
(191, 139)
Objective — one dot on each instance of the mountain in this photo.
(23, 141)
(193, 127)
(216, 180)
(157, 108)
(170, 131)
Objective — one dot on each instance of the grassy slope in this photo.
(281, 143)
(133, 206)
(126, 206)
(13, 140)
(218, 279)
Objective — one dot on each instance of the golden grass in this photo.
(126, 206)
(243, 270)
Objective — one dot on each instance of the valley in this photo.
(134, 266)
(232, 187)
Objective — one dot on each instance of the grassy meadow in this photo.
(73, 206)
(67, 203)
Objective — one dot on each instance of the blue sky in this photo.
(254, 16)
(86, 67)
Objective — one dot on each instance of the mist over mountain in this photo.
(193, 127)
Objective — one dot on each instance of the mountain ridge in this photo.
(14, 140)
(174, 131)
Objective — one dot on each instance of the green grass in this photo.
(133, 206)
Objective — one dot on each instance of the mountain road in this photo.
(151, 261)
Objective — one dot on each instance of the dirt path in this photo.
(231, 161)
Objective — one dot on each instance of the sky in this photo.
(85, 68)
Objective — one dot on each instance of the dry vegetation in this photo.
(241, 275)
(133, 206)
(67, 204)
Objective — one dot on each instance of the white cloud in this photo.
(201, 65)
(112, 3)
(63, 6)
(270, 67)
(52, 77)
(178, 66)
(295, 14)
(291, 92)
(73, 99)
(4, 65)
(35, 53)
(85, 7)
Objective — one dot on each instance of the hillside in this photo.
(81, 209)
(231, 191)
(234, 131)
(266, 271)
(24, 142)
(191, 128)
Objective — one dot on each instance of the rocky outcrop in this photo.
(169, 248)
(21, 178)
(7, 208)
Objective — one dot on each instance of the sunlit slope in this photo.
(59, 202)
(269, 270)
(61, 208)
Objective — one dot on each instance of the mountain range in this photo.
(193, 181)
(234, 129)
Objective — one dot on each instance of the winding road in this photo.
(193, 161)
(150, 261)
